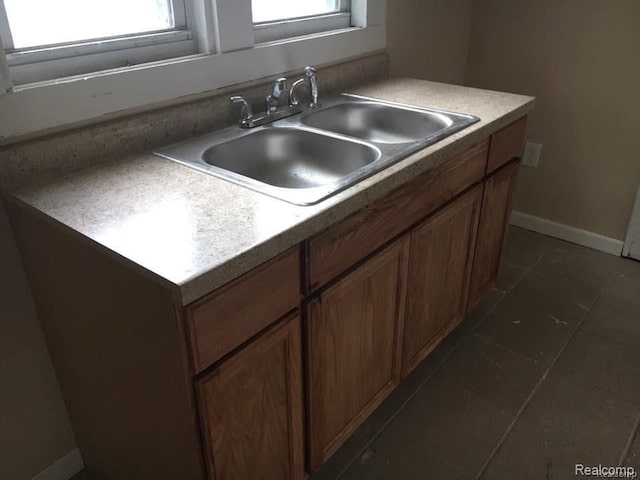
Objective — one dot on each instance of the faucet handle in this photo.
(271, 100)
(279, 87)
(310, 72)
(246, 112)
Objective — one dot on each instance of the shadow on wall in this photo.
(35, 426)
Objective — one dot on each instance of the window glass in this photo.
(46, 22)
(270, 10)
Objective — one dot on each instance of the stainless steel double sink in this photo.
(308, 157)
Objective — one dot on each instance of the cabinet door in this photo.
(251, 409)
(439, 275)
(353, 335)
(496, 210)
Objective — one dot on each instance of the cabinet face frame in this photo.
(318, 407)
(492, 229)
(285, 334)
(467, 204)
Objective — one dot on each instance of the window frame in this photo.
(230, 55)
(280, 29)
(296, 27)
(56, 60)
(6, 84)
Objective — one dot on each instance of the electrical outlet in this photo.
(531, 156)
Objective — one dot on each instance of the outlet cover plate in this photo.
(531, 157)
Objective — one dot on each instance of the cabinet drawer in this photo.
(507, 144)
(230, 316)
(342, 245)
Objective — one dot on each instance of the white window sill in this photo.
(70, 101)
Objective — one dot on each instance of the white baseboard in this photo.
(63, 469)
(575, 235)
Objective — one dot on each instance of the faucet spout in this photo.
(293, 95)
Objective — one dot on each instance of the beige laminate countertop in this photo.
(192, 232)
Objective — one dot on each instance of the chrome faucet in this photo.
(312, 76)
(272, 100)
(246, 112)
(293, 96)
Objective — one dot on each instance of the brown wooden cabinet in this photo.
(334, 250)
(440, 264)
(251, 409)
(353, 344)
(496, 211)
(372, 312)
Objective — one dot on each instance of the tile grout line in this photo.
(444, 360)
(635, 431)
(538, 384)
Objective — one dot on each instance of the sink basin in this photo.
(308, 157)
(378, 122)
(291, 158)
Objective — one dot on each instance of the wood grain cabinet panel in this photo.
(496, 211)
(225, 319)
(251, 409)
(439, 275)
(507, 144)
(353, 338)
(342, 245)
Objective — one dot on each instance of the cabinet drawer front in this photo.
(507, 144)
(230, 316)
(334, 250)
(251, 409)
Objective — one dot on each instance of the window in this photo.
(90, 32)
(65, 62)
(278, 19)
(51, 39)
(270, 10)
(65, 21)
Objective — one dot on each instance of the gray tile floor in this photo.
(542, 375)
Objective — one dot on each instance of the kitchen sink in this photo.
(378, 122)
(291, 158)
(307, 157)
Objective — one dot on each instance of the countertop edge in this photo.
(174, 289)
